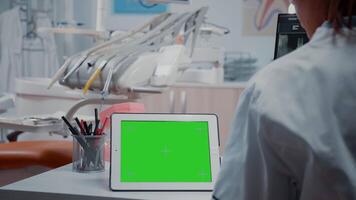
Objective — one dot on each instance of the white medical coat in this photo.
(40, 63)
(15, 62)
(11, 34)
(294, 134)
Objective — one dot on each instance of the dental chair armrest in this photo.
(50, 154)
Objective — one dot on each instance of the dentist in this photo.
(294, 133)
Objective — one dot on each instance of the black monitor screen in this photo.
(290, 35)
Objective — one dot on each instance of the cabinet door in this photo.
(160, 103)
(221, 101)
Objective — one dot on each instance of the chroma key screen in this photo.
(165, 151)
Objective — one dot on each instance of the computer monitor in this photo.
(290, 35)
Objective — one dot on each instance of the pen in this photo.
(90, 129)
(80, 126)
(100, 131)
(96, 121)
(74, 132)
(86, 127)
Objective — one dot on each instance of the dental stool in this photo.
(19, 160)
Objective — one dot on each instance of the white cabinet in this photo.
(221, 100)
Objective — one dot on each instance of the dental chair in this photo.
(19, 160)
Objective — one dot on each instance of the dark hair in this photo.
(338, 10)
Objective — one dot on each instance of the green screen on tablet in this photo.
(165, 151)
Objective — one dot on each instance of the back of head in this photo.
(339, 10)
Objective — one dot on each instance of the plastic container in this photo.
(88, 153)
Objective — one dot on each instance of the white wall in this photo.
(227, 13)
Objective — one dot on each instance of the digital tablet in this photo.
(164, 152)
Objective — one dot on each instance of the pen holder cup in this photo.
(88, 153)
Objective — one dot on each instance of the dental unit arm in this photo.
(146, 60)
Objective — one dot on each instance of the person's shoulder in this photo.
(283, 80)
(283, 71)
(274, 93)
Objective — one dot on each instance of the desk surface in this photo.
(63, 183)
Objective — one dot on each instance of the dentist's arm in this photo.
(251, 169)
